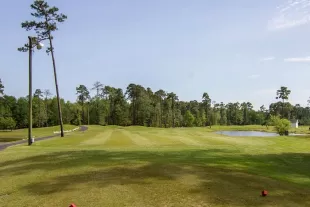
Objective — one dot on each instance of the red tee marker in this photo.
(72, 205)
(264, 193)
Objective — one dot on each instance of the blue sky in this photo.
(236, 50)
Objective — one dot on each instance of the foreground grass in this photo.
(10, 136)
(137, 166)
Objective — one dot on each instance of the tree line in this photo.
(140, 106)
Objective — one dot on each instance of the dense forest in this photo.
(140, 106)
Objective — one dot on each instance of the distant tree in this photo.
(47, 20)
(83, 97)
(96, 109)
(38, 93)
(148, 107)
(174, 98)
(235, 114)
(98, 87)
(206, 100)
(283, 93)
(262, 108)
(223, 114)
(140, 104)
(21, 117)
(1, 88)
(120, 113)
(133, 92)
(83, 94)
(99, 110)
(39, 111)
(263, 113)
(3, 123)
(246, 109)
(189, 119)
(203, 117)
(216, 116)
(47, 94)
(160, 96)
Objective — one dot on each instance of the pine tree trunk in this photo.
(57, 90)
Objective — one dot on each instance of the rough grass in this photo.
(137, 166)
(10, 136)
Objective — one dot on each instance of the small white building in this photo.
(294, 124)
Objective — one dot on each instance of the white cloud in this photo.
(298, 59)
(254, 76)
(291, 14)
(267, 59)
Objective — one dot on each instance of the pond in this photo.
(247, 134)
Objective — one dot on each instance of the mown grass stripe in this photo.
(162, 139)
(99, 139)
(186, 140)
(138, 139)
(119, 139)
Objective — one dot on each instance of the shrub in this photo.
(7, 123)
(281, 125)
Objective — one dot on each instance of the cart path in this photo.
(4, 146)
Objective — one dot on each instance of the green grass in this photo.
(301, 129)
(137, 166)
(15, 135)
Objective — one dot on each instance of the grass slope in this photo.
(9, 136)
(137, 166)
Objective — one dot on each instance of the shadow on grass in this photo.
(222, 175)
(100, 158)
